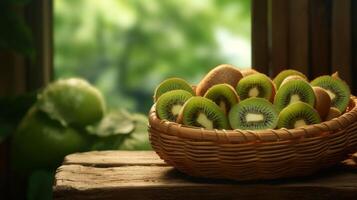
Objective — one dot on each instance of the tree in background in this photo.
(126, 47)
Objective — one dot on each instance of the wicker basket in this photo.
(252, 155)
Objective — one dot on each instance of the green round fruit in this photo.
(41, 142)
(336, 88)
(72, 102)
(253, 114)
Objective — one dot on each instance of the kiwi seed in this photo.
(256, 85)
(170, 103)
(253, 114)
(298, 114)
(323, 101)
(172, 84)
(336, 88)
(224, 95)
(202, 112)
(333, 113)
(224, 73)
(285, 73)
(293, 91)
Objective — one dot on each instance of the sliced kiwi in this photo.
(253, 114)
(293, 91)
(169, 104)
(298, 114)
(285, 73)
(224, 73)
(202, 112)
(172, 84)
(255, 85)
(336, 88)
(224, 95)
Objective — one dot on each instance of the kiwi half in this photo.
(224, 95)
(336, 88)
(256, 85)
(169, 104)
(172, 84)
(202, 112)
(248, 72)
(285, 73)
(224, 73)
(323, 101)
(253, 114)
(293, 91)
(292, 77)
(298, 114)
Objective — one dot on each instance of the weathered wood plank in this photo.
(114, 158)
(260, 49)
(133, 179)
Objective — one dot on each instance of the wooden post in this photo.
(260, 49)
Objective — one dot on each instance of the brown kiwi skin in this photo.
(224, 73)
(273, 91)
(322, 102)
(247, 72)
(333, 113)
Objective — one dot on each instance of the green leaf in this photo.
(112, 130)
(114, 123)
(40, 185)
(139, 138)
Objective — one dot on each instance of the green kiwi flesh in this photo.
(285, 73)
(202, 112)
(253, 114)
(337, 89)
(169, 105)
(293, 91)
(224, 95)
(298, 114)
(172, 84)
(255, 85)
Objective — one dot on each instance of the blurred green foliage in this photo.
(15, 35)
(127, 47)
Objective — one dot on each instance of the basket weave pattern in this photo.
(252, 155)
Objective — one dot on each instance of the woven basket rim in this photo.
(323, 129)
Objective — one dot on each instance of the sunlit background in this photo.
(126, 47)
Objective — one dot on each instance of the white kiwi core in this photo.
(253, 117)
(253, 92)
(294, 98)
(223, 106)
(175, 110)
(299, 123)
(331, 94)
(204, 121)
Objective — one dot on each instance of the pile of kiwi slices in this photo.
(229, 98)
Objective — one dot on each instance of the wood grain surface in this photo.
(142, 175)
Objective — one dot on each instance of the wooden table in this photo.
(142, 175)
